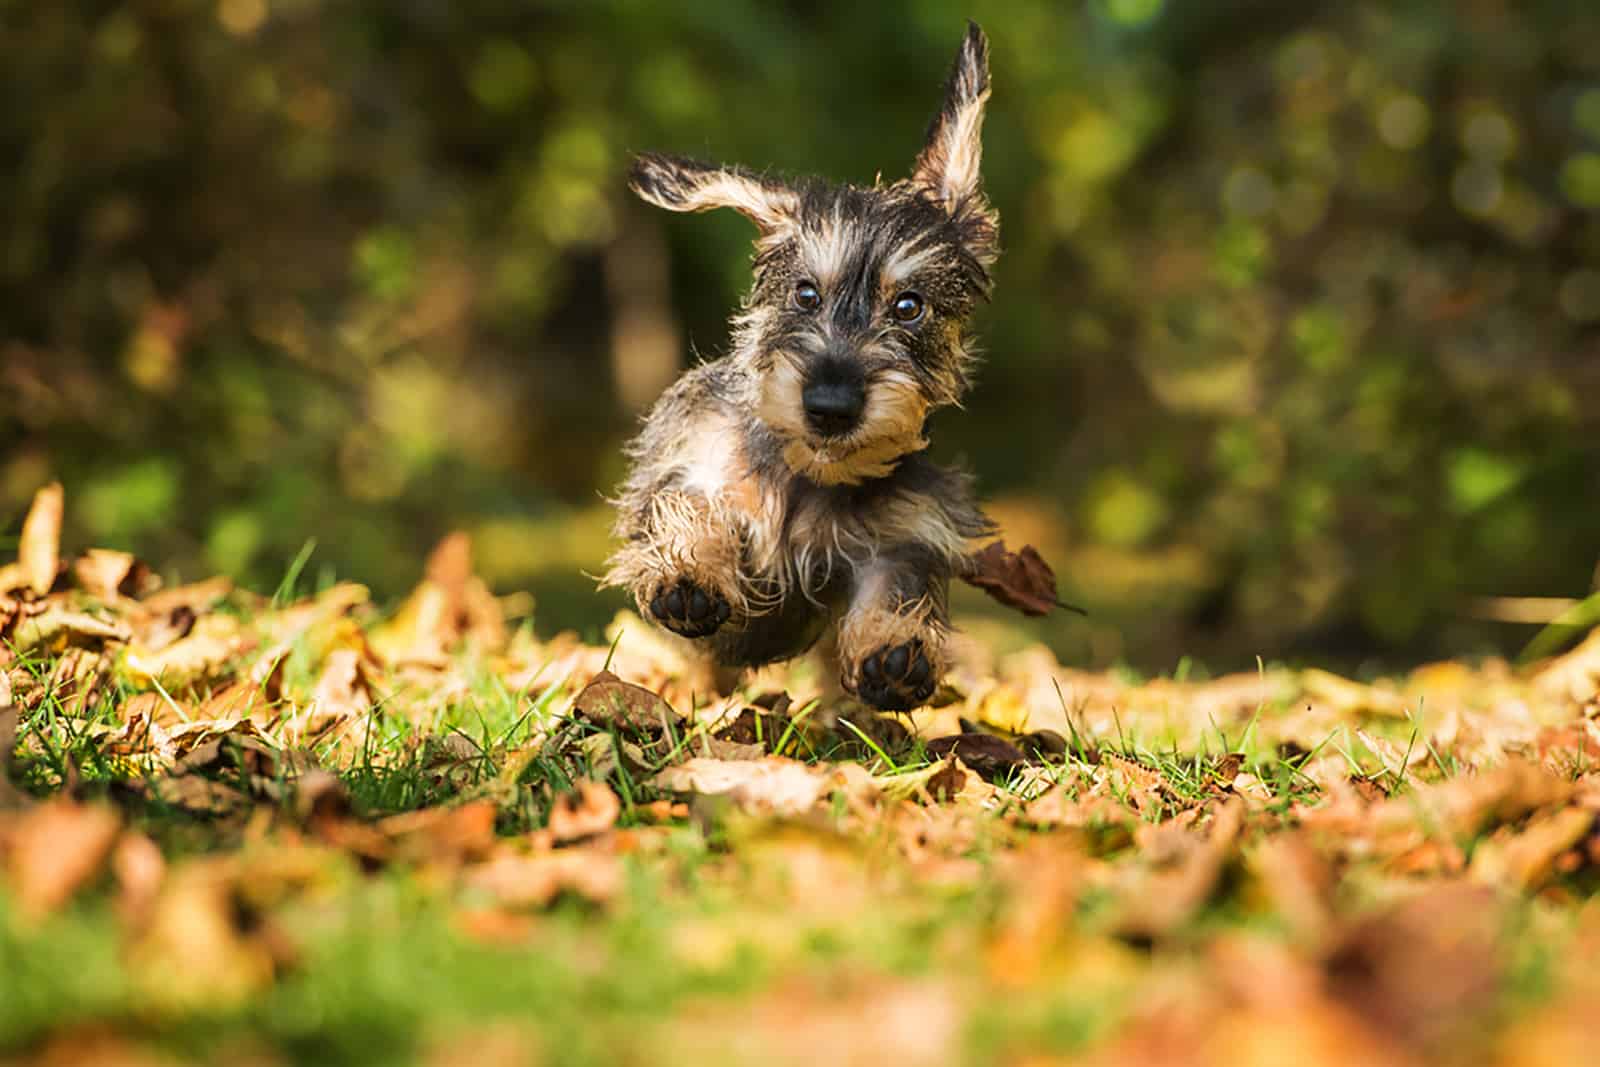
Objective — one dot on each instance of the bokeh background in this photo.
(1295, 350)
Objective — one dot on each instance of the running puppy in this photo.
(782, 489)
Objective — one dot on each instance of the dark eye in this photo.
(806, 297)
(907, 307)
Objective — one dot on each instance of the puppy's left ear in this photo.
(679, 184)
(948, 165)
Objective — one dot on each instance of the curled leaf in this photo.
(107, 574)
(590, 809)
(55, 850)
(608, 700)
(40, 550)
(1020, 580)
(992, 757)
(773, 785)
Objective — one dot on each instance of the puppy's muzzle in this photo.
(834, 399)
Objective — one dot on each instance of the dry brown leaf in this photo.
(139, 869)
(1297, 882)
(10, 795)
(1423, 970)
(39, 551)
(76, 1047)
(993, 757)
(609, 701)
(55, 625)
(448, 835)
(662, 811)
(1471, 804)
(1158, 902)
(55, 849)
(192, 953)
(198, 598)
(1142, 787)
(13, 579)
(1573, 676)
(204, 653)
(110, 575)
(802, 1023)
(237, 700)
(773, 785)
(1020, 580)
(342, 689)
(1060, 808)
(592, 808)
(536, 881)
(1347, 697)
(1526, 860)
(450, 605)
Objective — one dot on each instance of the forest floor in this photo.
(295, 829)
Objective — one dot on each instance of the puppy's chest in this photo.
(800, 534)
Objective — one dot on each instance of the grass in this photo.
(1066, 908)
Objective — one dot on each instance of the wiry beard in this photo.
(890, 429)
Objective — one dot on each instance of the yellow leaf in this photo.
(40, 549)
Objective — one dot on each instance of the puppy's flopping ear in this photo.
(688, 185)
(948, 165)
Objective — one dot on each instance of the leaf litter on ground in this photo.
(1044, 865)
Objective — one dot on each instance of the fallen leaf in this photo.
(10, 795)
(204, 653)
(1348, 697)
(536, 881)
(853, 1022)
(1157, 902)
(609, 701)
(39, 551)
(198, 598)
(445, 835)
(1471, 804)
(342, 689)
(59, 626)
(992, 757)
(755, 726)
(139, 868)
(773, 785)
(107, 575)
(1424, 969)
(1298, 883)
(450, 605)
(1020, 580)
(591, 808)
(947, 781)
(1573, 676)
(193, 953)
(56, 848)
(196, 795)
(662, 811)
(1527, 859)
(320, 794)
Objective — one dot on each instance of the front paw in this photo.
(688, 609)
(897, 677)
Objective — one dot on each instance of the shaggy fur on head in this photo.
(758, 512)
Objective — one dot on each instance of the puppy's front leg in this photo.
(680, 559)
(891, 638)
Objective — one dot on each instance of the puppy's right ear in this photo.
(688, 185)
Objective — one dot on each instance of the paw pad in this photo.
(897, 678)
(688, 610)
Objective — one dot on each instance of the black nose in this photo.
(833, 407)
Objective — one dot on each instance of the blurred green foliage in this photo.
(1296, 340)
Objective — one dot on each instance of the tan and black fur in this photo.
(782, 489)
